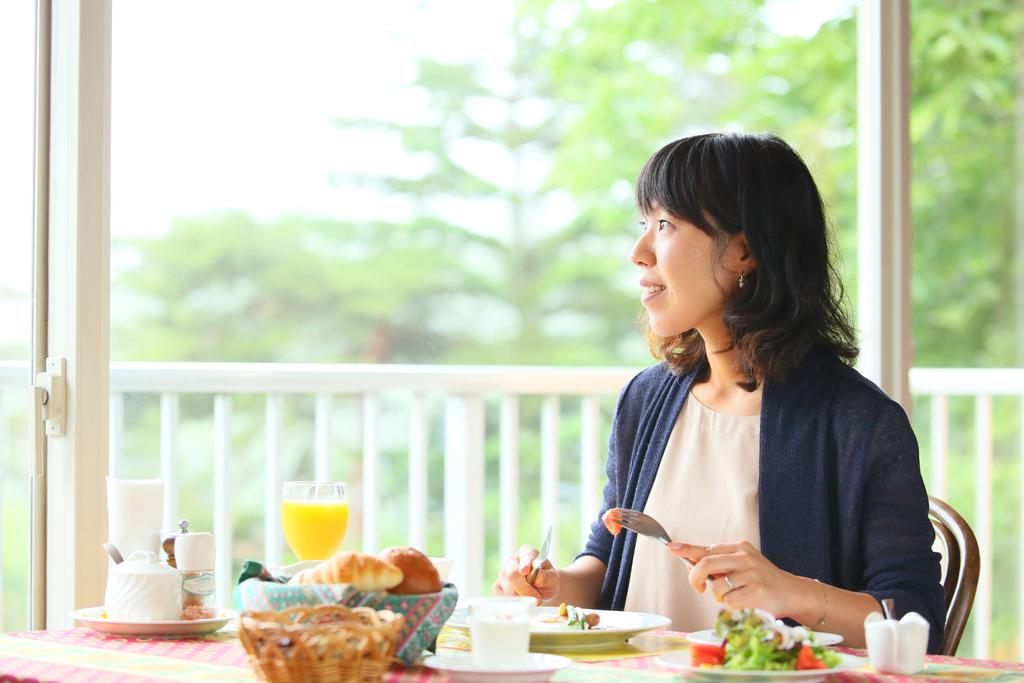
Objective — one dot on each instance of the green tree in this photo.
(965, 67)
(223, 287)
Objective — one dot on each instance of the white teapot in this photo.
(143, 589)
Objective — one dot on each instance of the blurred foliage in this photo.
(966, 66)
(582, 105)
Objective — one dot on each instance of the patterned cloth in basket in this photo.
(424, 614)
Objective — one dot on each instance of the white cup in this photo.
(499, 628)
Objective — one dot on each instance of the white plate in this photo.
(94, 618)
(614, 629)
(680, 661)
(462, 669)
(709, 637)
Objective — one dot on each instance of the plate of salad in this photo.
(754, 646)
(711, 637)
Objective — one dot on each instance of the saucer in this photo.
(96, 619)
(461, 668)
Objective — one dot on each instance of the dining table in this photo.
(80, 655)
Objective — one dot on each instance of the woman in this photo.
(793, 480)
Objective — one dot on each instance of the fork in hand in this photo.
(646, 525)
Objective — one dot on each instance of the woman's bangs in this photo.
(673, 180)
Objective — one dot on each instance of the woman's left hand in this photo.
(742, 577)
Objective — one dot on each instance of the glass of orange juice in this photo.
(314, 515)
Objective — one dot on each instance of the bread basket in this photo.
(424, 614)
(320, 644)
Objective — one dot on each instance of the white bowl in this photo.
(443, 566)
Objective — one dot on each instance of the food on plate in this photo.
(419, 575)
(364, 572)
(753, 640)
(572, 617)
(613, 521)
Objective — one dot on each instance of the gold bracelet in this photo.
(824, 614)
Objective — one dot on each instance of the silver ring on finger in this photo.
(728, 582)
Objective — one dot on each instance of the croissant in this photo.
(364, 572)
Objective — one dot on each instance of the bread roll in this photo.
(364, 572)
(418, 573)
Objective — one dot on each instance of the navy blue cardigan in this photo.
(841, 495)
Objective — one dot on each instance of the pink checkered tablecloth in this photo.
(83, 656)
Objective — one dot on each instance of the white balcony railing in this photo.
(464, 389)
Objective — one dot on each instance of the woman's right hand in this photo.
(512, 579)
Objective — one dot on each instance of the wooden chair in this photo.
(963, 564)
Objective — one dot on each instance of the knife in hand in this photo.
(545, 548)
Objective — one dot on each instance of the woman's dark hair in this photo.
(793, 301)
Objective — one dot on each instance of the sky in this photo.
(225, 104)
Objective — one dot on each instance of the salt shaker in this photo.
(896, 646)
(195, 553)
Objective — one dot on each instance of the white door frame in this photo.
(883, 195)
(74, 226)
(40, 258)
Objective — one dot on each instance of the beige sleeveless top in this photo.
(705, 492)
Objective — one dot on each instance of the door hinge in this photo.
(54, 395)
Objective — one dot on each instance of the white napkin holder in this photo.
(143, 589)
(135, 514)
(896, 647)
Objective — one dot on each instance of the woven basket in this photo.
(424, 614)
(320, 644)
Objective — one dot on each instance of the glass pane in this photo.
(967, 136)
(462, 201)
(372, 183)
(17, 82)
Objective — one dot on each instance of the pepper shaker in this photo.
(168, 544)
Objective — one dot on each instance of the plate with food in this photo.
(96, 619)
(754, 646)
(680, 661)
(567, 627)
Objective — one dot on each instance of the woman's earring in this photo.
(743, 279)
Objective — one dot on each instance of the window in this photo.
(375, 184)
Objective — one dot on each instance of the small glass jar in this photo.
(196, 554)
